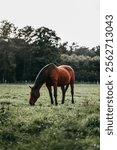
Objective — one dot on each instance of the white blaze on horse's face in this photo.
(34, 95)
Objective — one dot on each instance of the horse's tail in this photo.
(72, 75)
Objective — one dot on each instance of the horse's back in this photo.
(70, 71)
(66, 74)
(62, 75)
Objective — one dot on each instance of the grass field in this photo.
(48, 127)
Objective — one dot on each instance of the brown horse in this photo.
(61, 76)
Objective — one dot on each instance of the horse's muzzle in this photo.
(32, 104)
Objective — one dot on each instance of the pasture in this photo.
(49, 127)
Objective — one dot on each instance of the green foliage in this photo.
(7, 29)
(49, 127)
(87, 69)
(25, 51)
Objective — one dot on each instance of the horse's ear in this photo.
(30, 86)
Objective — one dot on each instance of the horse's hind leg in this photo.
(72, 92)
(55, 94)
(64, 90)
(63, 93)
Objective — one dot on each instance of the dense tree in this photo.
(7, 30)
(45, 37)
(87, 69)
(26, 34)
(23, 52)
(7, 60)
(63, 48)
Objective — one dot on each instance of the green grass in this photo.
(49, 127)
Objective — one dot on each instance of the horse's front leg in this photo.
(50, 93)
(66, 88)
(55, 94)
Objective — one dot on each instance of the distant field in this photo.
(48, 127)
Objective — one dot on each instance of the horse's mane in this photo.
(40, 76)
(48, 65)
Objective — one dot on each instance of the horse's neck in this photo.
(38, 87)
(42, 75)
(40, 80)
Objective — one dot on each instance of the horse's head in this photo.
(34, 95)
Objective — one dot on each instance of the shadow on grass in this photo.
(21, 132)
(36, 127)
(13, 134)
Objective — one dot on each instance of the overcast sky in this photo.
(73, 20)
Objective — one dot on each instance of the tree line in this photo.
(23, 52)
